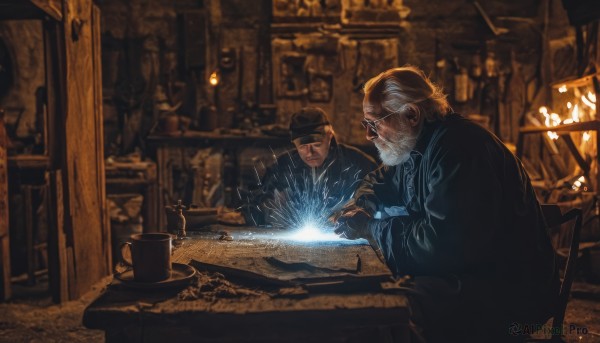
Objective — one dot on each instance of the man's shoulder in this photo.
(456, 127)
(457, 132)
(457, 121)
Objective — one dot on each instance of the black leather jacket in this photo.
(463, 206)
(338, 177)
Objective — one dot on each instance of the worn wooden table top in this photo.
(297, 285)
(274, 255)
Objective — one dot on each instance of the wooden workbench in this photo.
(286, 305)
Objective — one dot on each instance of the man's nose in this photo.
(371, 135)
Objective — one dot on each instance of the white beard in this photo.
(396, 150)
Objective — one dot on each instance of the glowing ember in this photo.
(562, 89)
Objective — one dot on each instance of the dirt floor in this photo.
(32, 317)
(583, 311)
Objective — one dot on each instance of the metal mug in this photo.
(150, 256)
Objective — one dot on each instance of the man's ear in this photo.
(413, 115)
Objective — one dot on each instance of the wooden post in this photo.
(99, 120)
(164, 175)
(85, 225)
(26, 192)
(5, 289)
(57, 246)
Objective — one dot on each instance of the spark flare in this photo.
(310, 198)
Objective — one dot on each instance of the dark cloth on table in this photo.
(462, 208)
(338, 177)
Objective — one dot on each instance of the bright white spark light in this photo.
(311, 233)
(562, 89)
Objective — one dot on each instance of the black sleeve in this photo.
(455, 230)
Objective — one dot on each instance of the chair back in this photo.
(554, 217)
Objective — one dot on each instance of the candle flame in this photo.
(551, 119)
(586, 136)
(575, 114)
(589, 102)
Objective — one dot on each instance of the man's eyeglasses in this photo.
(372, 124)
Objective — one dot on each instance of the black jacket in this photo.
(334, 183)
(463, 205)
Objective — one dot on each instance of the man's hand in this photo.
(352, 224)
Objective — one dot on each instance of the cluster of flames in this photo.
(581, 108)
(576, 112)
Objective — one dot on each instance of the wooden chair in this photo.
(554, 217)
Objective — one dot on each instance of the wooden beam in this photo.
(52, 8)
(5, 288)
(99, 134)
(555, 156)
(26, 192)
(55, 95)
(559, 129)
(82, 172)
(57, 245)
(55, 83)
(576, 154)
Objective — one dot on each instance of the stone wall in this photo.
(158, 56)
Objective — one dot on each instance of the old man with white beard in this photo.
(454, 208)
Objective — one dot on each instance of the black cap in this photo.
(308, 124)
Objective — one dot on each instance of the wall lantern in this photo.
(214, 78)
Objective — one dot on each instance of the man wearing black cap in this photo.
(318, 162)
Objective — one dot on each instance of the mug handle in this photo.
(124, 247)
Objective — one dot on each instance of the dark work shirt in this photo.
(463, 205)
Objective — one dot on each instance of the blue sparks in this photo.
(305, 207)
